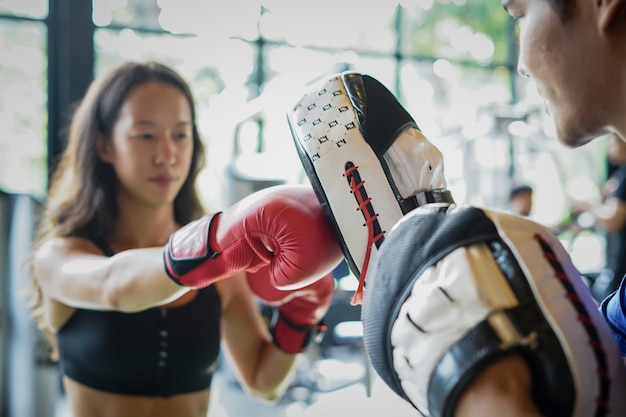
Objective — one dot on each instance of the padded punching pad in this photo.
(455, 289)
(366, 159)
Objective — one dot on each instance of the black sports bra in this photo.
(155, 352)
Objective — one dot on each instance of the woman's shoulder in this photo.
(60, 247)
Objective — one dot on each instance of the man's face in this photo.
(565, 58)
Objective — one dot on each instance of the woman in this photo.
(131, 341)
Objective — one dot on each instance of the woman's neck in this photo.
(143, 225)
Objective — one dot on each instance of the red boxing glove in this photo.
(281, 228)
(300, 312)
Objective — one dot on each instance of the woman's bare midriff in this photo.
(88, 402)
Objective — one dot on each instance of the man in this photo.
(435, 327)
(575, 51)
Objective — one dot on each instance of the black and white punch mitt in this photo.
(455, 289)
(367, 161)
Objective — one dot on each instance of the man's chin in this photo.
(570, 131)
(576, 138)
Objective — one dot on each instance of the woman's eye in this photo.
(144, 136)
(182, 135)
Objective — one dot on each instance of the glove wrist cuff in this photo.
(294, 338)
(187, 249)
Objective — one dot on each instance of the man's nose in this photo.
(521, 68)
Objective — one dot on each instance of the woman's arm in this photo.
(73, 271)
(263, 370)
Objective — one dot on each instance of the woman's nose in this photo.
(165, 151)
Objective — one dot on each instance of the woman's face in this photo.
(152, 143)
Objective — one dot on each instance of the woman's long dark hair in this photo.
(82, 197)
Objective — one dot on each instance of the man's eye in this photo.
(144, 136)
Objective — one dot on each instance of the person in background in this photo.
(521, 200)
(139, 288)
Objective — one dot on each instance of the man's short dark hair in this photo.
(520, 189)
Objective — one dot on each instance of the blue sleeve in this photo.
(613, 308)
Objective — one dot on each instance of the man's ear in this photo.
(611, 13)
(104, 148)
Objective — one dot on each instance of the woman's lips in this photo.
(163, 181)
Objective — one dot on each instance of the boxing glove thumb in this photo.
(292, 225)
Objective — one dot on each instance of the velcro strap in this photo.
(189, 247)
(523, 330)
(426, 197)
(192, 240)
(294, 338)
